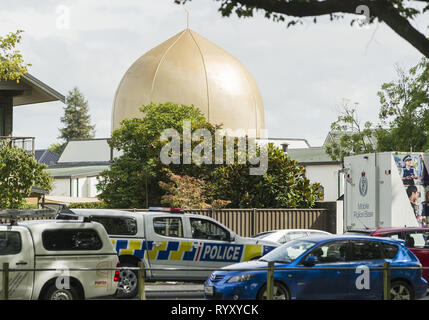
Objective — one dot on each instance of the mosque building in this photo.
(185, 69)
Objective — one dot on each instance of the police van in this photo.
(167, 239)
(62, 247)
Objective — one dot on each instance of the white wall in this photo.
(327, 176)
(87, 187)
(61, 187)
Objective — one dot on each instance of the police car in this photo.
(166, 239)
(62, 247)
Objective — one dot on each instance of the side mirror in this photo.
(310, 261)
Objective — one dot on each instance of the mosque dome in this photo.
(189, 69)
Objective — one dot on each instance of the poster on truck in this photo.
(415, 179)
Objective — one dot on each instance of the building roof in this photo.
(76, 171)
(313, 155)
(31, 90)
(89, 151)
(46, 156)
(294, 143)
(191, 70)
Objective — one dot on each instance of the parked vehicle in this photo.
(166, 238)
(285, 235)
(386, 189)
(416, 239)
(62, 246)
(314, 276)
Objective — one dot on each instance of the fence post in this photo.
(270, 280)
(5, 277)
(141, 281)
(386, 281)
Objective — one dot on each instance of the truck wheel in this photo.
(53, 293)
(279, 292)
(400, 290)
(128, 283)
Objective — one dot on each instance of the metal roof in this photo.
(313, 155)
(76, 172)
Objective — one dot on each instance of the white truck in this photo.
(387, 189)
(168, 239)
(62, 247)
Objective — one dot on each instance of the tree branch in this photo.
(381, 9)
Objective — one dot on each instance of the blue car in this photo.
(314, 276)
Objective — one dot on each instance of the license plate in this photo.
(208, 290)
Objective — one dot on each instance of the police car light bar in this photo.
(172, 210)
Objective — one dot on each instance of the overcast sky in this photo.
(303, 72)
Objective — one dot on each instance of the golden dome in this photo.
(189, 69)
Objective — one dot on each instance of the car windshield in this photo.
(289, 251)
(263, 234)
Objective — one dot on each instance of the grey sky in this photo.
(303, 72)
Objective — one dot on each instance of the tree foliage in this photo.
(397, 14)
(284, 185)
(403, 115)
(404, 111)
(12, 65)
(139, 178)
(76, 119)
(188, 193)
(348, 136)
(19, 173)
(133, 179)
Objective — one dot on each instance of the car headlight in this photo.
(241, 278)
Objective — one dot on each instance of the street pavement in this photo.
(174, 291)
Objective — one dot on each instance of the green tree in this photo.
(403, 114)
(132, 181)
(19, 172)
(284, 184)
(404, 111)
(140, 178)
(188, 193)
(76, 119)
(348, 136)
(12, 65)
(397, 14)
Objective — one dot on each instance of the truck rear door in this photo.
(16, 248)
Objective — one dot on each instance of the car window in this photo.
(71, 239)
(205, 229)
(331, 252)
(168, 226)
(10, 242)
(390, 250)
(417, 239)
(294, 235)
(123, 226)
(289, 251)
(366, 250)
(396, 235)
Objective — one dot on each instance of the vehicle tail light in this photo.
(116, 276)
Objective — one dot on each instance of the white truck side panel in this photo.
(375, 195)
(360, 189)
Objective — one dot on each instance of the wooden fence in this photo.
(248, 222)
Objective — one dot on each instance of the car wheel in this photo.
(279, 292)
(128, 283)
(53, 293)
(400, 290)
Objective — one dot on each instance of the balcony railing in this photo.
(26, 143)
